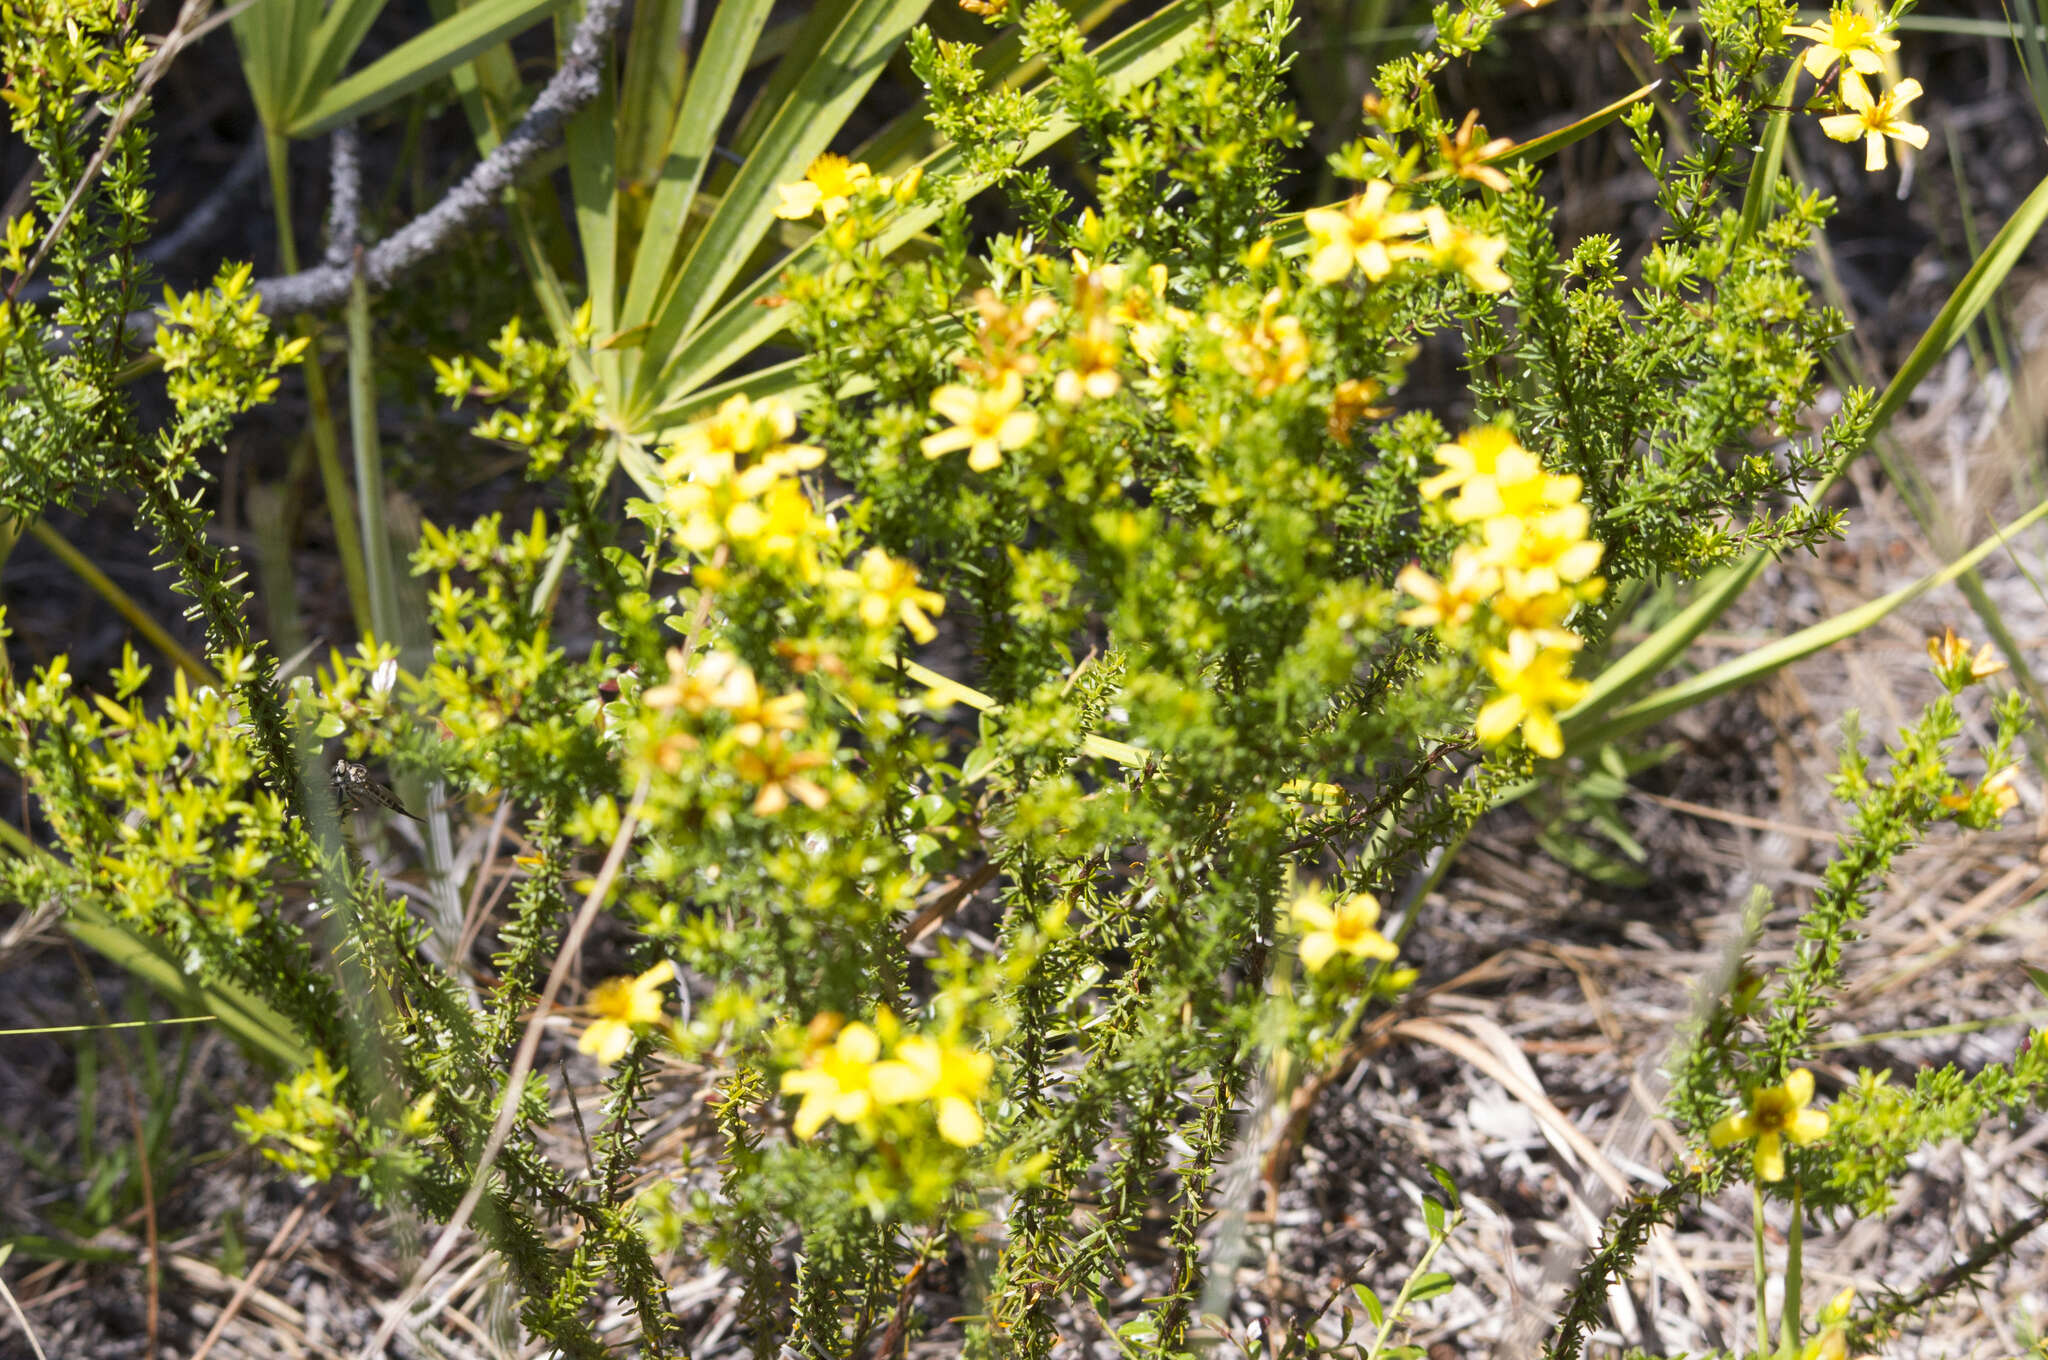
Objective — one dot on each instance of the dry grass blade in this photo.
(14, 1308)
(1486, 1054)
(247, 1285)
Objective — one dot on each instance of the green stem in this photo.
(326, 445)
(1788, 1318)
(1756, 1229)
(362, 430)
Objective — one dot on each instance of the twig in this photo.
(572, 86)
(515, 1082)
(20, 1318)
(246, 1286)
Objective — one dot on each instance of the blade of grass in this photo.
(272, 39)
(1763, 171)
(443, 47)
(815, 109)
(594, 189)
(389, 618)
(259, 1029)
(326, 444)
(1748, 669)
(652, 90)
(340, 33)
(369, 461)
(1550, 143)
(735, 29)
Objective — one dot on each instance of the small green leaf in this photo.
(1429, 1286)
(1371, 1301)
(1443, 1178)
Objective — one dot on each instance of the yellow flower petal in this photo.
(959, 1122)
(1735, 1128)
(1770, 1157)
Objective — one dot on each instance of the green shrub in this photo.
(1253, 642)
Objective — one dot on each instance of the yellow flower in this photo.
(1341, 927)
(1541, 553)
(1097, 350)
(827, 187)
(1534, 681)
(1876, 119)
(1774, 1114)
(1541, 617)
(780, 773)
(721, 680)
(1518, 488)
(740, 427)
(1272, 351)
(952, 1076)
(1353, 400)
(837, 1083)
(889, 593)
(754, 717)
(1451, 247)
(1358, 234)
(1851, 39)
(1997, 787)
(622, 1003)
(1830, 1341)
(1451, 603)
(1470, 162)
(1954, 664)
(1474, 455)
(986, 422)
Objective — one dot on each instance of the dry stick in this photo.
(473, 919)
(246, 1286)
(574, 84)
(515, 1083)
(20, 1318)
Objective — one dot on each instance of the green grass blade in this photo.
(1964, 305)
(1550, 143)
(340, 33)
(1754, 666)
(260, 1029)
(362, 429)
(274, 39)
(432, 54)
(593, 186)
(801, 50)
(651, 91)
(1763, 171)
(727, 48)
(809, 118)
